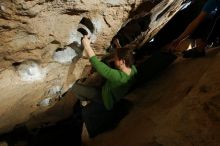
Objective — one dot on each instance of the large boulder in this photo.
(40, 51)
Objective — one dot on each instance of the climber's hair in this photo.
(125, 54)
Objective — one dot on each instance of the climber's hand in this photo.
(86, 42)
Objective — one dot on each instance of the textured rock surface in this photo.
(179, 108)
(40, 46)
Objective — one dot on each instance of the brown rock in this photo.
(34, 46)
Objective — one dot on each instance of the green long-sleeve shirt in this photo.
(117, 85)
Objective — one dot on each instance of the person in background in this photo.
(208, 17)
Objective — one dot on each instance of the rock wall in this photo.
(40, 52)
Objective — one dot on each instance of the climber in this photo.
(118, 81)
(101, 114)
(204, 28)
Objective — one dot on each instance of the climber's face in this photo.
(118, 62)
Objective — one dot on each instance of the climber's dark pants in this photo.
(96, 117)
(84, 92)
